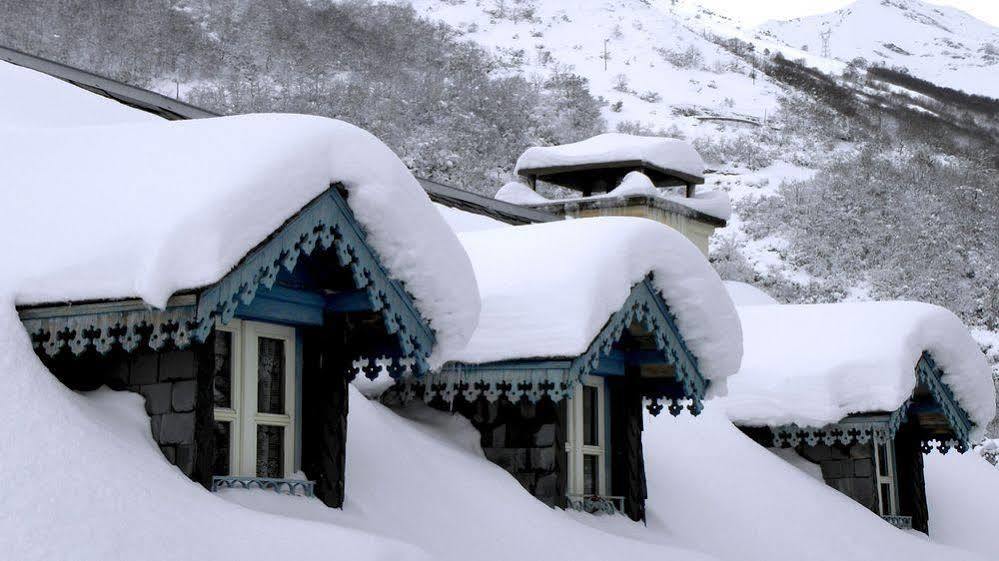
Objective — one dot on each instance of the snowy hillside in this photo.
(648, 66)
(937, 43)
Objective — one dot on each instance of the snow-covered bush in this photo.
(691, 57)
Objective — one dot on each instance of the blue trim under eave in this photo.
(325, 222)
(884, 427)
(555, 378)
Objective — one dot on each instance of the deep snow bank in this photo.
(427, 483)
(963, 495)
(713, 488)
(82, 479)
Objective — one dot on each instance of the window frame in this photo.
(890, 479)
(243, 417)
(575, 438)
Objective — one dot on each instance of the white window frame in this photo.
(890, 479)
(243, 417)
(574, 447)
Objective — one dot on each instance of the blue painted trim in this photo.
(356, 301)
(930, 375)
(325, 222)
(285, 306)
(884, 427)
(555, 377)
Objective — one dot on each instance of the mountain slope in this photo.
(940, 44)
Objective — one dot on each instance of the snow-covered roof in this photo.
(33, 99)
(548, 289)
(634, 184)
(816, 364)
(145, 210)
(515, 192)
(744, 294)
(667, 155)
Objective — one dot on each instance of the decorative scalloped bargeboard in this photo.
(325, 222)
(882, 428)
(555, 378)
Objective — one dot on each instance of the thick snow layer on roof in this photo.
(712, 202)
(815, 364)
(464, 221)
(146, 210)
(33, 99)
(548, 289)
(515, 192)
(664, 153)
(744, 294)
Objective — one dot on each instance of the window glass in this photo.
(591, 474)
(270, 375)
(882, 460)
(886, 499)
(220, 465)
(222, 378)
(270, 451)
(591, 426)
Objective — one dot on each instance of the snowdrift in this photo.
(82, 479)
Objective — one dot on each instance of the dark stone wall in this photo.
(627, 456)
(168, 380)
(850, 469)
(911, 482)
(324, 411)
(525, 439)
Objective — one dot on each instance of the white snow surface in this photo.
(418, 487)
(146, 210)
(937, 43)
(548, 289)
(664, 153)
(744, 294)
(634, 183)
(464, 221)
(33, 99)
(515, 192)
(713, 202)
(961, 490)
(815, 364)
(84, 480)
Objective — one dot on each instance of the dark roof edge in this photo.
(541, 172)
(132, 96)
(175, 110)
(486, 206)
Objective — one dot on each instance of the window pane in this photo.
(270, 451)
(270, 375)
(882, 460)
(886, 499)
(591, 425)
(591, 474)
(222, 379)
(222, 443)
